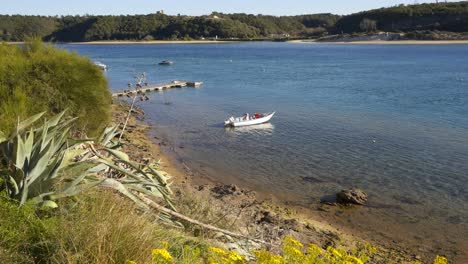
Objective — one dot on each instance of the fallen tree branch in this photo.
(161, 208)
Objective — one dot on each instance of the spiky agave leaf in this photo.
(25, 124)
(34, 156)
(40, 157)
(144, 178)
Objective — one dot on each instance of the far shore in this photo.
(308, 41)
(113, 42)
(123, 42)
(386, 42)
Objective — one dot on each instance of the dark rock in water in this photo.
(406, 200)
(310, 179)
(328, 199)
(351, 196)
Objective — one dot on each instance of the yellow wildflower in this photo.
(296, 251)
(313, 252)
(334, 252)
(265, 257)
(131, 262)
(440, 260)
(276, 260)
(234, 256)
(354, 260)
(293, 242)
(218, 250)
(161, 253)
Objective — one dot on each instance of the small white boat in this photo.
(166, 62)
(248, 120)
(101, 65)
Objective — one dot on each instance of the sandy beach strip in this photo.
(386, 42)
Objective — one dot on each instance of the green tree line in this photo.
(403, 18)
(158, 26)
(451, 17)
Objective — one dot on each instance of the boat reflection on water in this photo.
(263, 129)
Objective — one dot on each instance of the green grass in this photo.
(24, 236)
(36, 77)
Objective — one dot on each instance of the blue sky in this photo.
(192, 7)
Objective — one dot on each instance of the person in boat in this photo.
(246, 116)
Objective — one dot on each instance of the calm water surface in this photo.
(392, 120)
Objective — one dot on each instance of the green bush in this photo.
(36, 77)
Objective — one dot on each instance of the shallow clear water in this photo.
(390, 119)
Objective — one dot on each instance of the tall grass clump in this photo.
(37, 77)
(98, 227)
(104, 227)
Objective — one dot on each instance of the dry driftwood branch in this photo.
(161, 208)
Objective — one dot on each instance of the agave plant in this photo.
(122, 174)
(43, 165)
(33, 158)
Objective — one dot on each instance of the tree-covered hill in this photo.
(451, 17)
(158, 26)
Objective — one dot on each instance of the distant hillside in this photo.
(451, 17)
(447, 17)
(161, 26)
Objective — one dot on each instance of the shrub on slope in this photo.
(36, 77)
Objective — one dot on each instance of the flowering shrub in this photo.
(440, 260)
(293, 253)
(161, 256)
(218, 255)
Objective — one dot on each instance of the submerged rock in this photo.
(351, 196)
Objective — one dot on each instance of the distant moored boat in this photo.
(101, 65)
(166, 62)
(248, 120)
